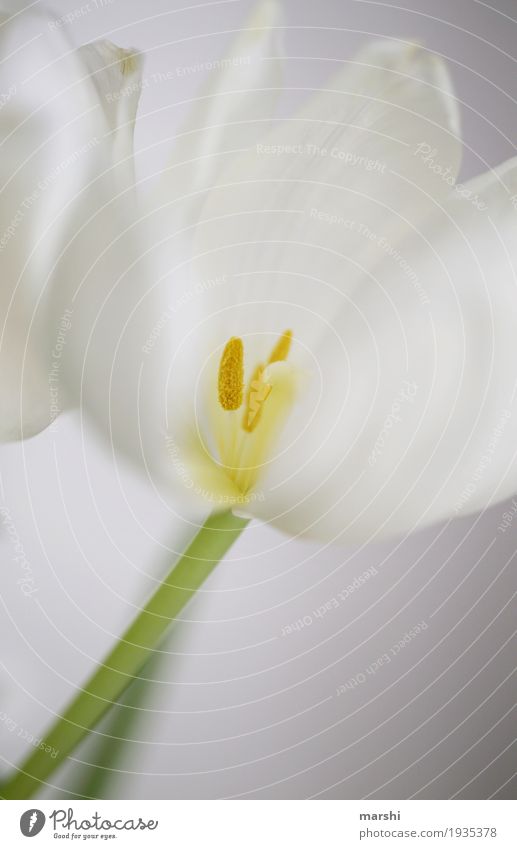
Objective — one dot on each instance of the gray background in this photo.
(240, 710)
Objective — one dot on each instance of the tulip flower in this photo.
(307, 320)
(329, 343)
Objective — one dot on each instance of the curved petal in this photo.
(415, 418)
(50, 137)
(309, 209)
(57, 141)
(234, 106)
(117, 75)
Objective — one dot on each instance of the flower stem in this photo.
(94, 780)
(125, 661)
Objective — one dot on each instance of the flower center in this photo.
(254, 414)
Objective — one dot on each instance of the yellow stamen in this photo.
(282, 347)
(231, 375)
(245, 439)
(257, 393)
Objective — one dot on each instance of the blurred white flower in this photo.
(319, 329)
(65, 178)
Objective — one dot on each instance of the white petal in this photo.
(307, 214)
(52, 145)
(298, 221)
(105, 274)
(310, 209)
(416, 419)
(117, 75)
(236, 103)
(234, 106)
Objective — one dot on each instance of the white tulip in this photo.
(326, 339)
(307, 320)
(388, 407)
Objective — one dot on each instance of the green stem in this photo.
(125, 661)
(94, 780)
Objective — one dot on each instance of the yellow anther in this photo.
(257, 393)
(231, 375)
(282, 347)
